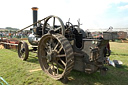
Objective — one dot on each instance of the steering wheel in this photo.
(69, 25)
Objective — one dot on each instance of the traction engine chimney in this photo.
(34, 15)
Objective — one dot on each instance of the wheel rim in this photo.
(23, 50)
(60, 30)
(55, 56)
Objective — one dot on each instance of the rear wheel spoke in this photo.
(60, 49)
(62, 55)
(49, 67)
(53, 69)
(57, 70)
(56, 46)
(62, 62)
(59, 65)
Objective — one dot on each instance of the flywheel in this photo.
(55, 55)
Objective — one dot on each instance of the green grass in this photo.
(17, 72)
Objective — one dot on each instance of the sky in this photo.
(93, 14)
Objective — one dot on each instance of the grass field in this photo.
(18, 72)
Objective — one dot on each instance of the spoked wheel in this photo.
(55, 55)
(53, 23)
(23, 51)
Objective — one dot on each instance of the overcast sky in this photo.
(94, 14)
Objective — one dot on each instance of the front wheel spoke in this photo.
(23, 54)
(20, 53)
(22, 46)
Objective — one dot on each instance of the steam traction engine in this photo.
(62, 48)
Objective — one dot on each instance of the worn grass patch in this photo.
(17, 72)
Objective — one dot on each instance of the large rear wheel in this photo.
(55, 55)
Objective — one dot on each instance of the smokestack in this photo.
(34, 15)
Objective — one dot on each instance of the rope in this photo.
(3, 81)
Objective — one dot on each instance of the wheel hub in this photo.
(51, 56)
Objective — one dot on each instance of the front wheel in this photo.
(23, 50)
